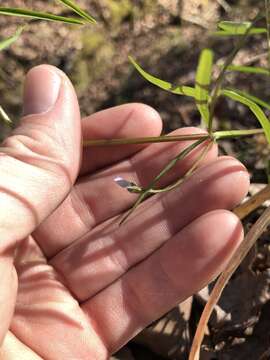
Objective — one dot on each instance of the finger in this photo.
(96, 198)
(8, 290)
(39, 161)
(14, 349)
(140, 169)
(104, 255)
(47, 319)
(124, 121)
(180, 268)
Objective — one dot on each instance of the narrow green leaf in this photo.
(231, 28)
(203, 81)
(257, 111)
(39, 15)
(9, 41)
(249, 69)
(175, 89)
(146, 192)
(226, 134)
(229, 60)
(252, 98)
(234, 25)
(71, 5)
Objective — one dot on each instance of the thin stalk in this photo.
(221, 76)
(194, 167)
(142, 140)
(172, 138)
(166, 169)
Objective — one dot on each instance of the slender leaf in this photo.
(252, 98)
(241, 27)
(226, 134)
(249, 69)
(9, 41)
(257, 111)
(71, 5)
(39, 15)
(203, 81)
(175, 89)
(231, 28)
(146, 192)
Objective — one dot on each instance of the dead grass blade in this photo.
(253, 203)
(255, 232)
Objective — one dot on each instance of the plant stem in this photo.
(166, 169)
(172, 138)
(200, 158)
(143, 140)
(221, 76)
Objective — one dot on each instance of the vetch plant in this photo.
(205, 92)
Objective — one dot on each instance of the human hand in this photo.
(81, 286)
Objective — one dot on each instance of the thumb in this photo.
(40, 160)
(38, 165)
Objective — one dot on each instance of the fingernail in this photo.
(41, 90)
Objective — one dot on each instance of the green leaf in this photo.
(175, 89)
(7, 42)
(203, 81)
(71, 5)
(252, 98)
(257, 111)
(232, 28)
(226, 134)
(187, 150)
(39, 15)
(249, 69)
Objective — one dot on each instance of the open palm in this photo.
(84, 286)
